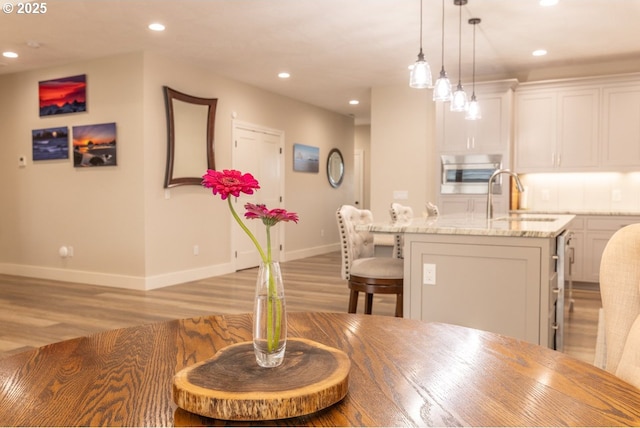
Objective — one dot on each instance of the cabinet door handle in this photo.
(559, 156)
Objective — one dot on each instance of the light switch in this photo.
(22, 161)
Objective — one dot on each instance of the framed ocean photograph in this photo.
(63, 96)
(306, 158)
(50, 143)
(94, 145)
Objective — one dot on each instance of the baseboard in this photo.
(69, 275)
(309, 252)
(587, 286)
(115, 280)
(140, 282)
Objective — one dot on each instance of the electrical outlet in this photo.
(545, 195)
(196, 250)
(429, 274)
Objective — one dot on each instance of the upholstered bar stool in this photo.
(400, 214)
(363, 271)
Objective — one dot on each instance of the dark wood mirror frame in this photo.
(211, 103)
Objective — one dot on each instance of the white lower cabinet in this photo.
(499, 284)
(591, 235)
(476, 205)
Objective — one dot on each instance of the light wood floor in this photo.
(36, 312)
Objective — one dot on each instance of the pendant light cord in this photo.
(473, 89)
(460, 46)
(420, 26)
(443, 34)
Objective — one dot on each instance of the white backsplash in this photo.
(580, 192)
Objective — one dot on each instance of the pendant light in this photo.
(420, 76)
(459, 97)
(442, 88)
(473, 109)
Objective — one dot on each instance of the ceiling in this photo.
(335, 50)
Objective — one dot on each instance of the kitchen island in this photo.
(504, 275)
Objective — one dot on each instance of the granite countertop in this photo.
(515, 225)
(584, 212)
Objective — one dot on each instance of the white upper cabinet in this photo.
(557, 130)
(490, 134)
(621, 127)
(580, 125)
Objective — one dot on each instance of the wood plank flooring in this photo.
(36, 312)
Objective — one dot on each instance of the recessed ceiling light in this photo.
(284, 75)
(539, 52)
(548, 2)
(354, 102)
(156, 26)
(9, 54)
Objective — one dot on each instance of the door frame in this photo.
(236, 230)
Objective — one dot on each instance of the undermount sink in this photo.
(510, 219)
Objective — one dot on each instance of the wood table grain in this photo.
(403, 373)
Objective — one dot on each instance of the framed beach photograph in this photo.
(63, 96)
(94, 145)
(306, 158)
(50, 143)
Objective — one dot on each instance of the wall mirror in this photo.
(335, 168)
(190, 131)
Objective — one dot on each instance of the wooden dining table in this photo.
(403, 373)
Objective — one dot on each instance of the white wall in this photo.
(402, 148)
(123, 230)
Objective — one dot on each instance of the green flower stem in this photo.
(272, 339)
(248, 232)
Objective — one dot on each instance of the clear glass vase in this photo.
(269, 316)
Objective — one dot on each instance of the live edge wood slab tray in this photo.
(231, 385)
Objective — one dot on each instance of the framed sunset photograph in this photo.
(63, 96)
(94, 145)
(50, 143)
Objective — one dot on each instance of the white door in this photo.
(358, 179)
(258, 151)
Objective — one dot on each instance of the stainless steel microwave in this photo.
(470, 173)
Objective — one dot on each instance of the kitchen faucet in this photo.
(490, 192)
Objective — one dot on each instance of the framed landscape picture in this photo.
(94, 145)
(306, 158)
(63, 96)
(50, 143)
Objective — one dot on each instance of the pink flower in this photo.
(229, 182)
(269, 217)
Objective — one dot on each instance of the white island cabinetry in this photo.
(504, 275)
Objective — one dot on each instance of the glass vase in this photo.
(269, 316)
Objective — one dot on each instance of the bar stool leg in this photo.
(368, 303)
(353, 302)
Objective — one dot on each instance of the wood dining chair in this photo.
(363, 271)
(620, 292)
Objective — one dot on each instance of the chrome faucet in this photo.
(490, 191)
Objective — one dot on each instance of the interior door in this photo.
(258, 151)
(358, 178)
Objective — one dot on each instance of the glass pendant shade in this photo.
(459, 99)
(420, 76)
(442, 88)
(473, 109)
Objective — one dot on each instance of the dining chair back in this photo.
(363, 271)
(620, 292)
